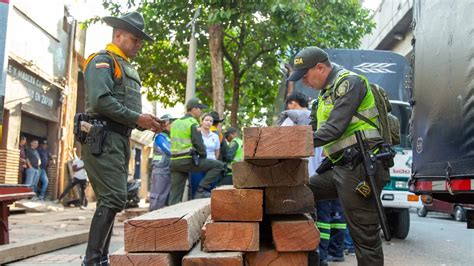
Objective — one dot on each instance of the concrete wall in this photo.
(392, 32)
(38, 34)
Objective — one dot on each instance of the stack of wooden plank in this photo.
(261, 220)
(9, 166)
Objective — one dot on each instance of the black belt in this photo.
(114, 126)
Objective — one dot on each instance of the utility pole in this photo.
(191, 76)
(4, 8)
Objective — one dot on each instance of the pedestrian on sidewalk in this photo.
(212, 143)
(79, 178)
(23, 166)
(33, 162)
(161, 175)
(114, 106)
(46, 157)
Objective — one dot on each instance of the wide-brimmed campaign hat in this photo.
(132, 22)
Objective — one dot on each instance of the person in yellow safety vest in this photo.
(234, 153)
(342, 95)
(188, 154)
(236, 146)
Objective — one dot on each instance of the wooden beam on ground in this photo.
(233, 204)
(278, 142)
(295, 233)
(174, 228)
(230, 236)
(122, 258)
(269, 256)
(36, 246)
(289, 200)
(197, 257)
(268, 173)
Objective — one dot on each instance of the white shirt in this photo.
(212, 144)
(80, 174)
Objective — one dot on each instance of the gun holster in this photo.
(387, 155)
(96, 138)
(78, 133)
(195, 157)
(325, 165)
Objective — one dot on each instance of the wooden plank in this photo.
(289, 200)
(278, 142)
(233, 204)
(268, 173)
(36, 246)
(294, 233)
(197, 257)
(269, 256)
(230, 236)
(122, 258)
(174, 228)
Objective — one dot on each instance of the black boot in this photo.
(99, 236)
(104, 261)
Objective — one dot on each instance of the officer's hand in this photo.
(149, 121)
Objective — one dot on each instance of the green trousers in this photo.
(360, 212)
(180, 170)
(108, 172)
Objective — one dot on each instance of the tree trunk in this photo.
(235, 100)
(217, 70)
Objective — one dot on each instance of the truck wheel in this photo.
(422, 212)
(459, 214)
(400, 223)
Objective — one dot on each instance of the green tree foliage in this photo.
(259, 37)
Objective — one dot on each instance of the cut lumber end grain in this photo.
(233, 204)
(295, 233)
(289, 200)
(122, 258)
(269, 256)
(174, 228)
(278, 142)
(289, 172)
(230, 236)
(197, 257)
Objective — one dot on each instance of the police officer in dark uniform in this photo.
(342, 94)
(113, 101)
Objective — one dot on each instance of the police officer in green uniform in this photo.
(188, 154)
(342, 94)
(113, 100)
(234, 153)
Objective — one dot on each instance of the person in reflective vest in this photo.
(233, 153)
(342, 94)
(188, 154)
(161, 176)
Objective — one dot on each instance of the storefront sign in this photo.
(36, 95)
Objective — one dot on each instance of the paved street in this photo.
(434, 240)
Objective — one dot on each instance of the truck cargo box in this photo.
(443, 97)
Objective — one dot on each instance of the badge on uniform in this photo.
(342, 88)
(102, 65)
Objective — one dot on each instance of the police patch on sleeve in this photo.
(342, 88)
(102, 65)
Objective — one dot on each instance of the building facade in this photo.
(44, 55)
(393, 30)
